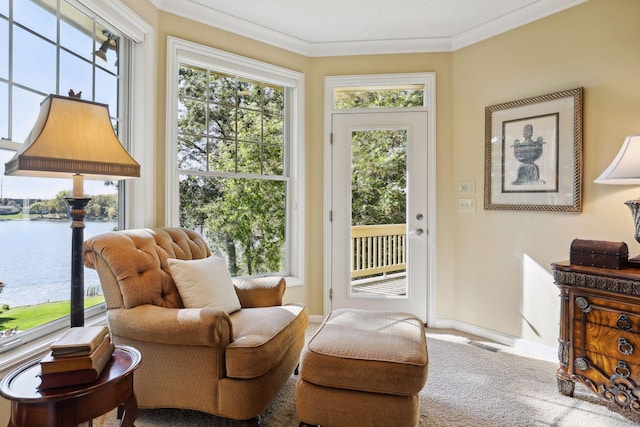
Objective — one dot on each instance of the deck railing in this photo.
(378, 249)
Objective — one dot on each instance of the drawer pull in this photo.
(621, 371)
(625, 346)
(583, 304)
(581, 363)
(624, 323)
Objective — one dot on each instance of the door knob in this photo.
(419, 231)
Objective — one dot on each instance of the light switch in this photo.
(466, 205)
(466, 188)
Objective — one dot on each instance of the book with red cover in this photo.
(79, 341)
(51, 364)
(69, 378)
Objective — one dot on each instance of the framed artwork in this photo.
(533, 154)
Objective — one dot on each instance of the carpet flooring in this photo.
(471, 383)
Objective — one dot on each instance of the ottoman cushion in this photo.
(336, 407)
(378, 352)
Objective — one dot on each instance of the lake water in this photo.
(35, 260)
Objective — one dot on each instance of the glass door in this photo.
(379, 205)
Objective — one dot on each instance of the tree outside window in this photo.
(231, 156)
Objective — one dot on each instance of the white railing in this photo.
(378, 249)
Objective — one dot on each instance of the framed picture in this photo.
(533, 154)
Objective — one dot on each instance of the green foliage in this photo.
(56, 207)
(103, 206)
(379, 169)
(229, 126)
(59, 205)
(39, 208)
(378, 177)
(247, 222)
(379, 98)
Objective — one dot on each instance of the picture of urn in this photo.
(527, 151)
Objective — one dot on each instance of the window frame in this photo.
(331, 83)
(138, 129)
(193, 54)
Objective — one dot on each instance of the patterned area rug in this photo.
(471, 383)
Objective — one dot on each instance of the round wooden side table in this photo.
(71, 406)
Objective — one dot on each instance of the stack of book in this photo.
(78, 357)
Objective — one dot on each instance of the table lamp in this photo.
(625, 170)
(74, 138)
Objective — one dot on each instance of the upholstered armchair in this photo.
(229, 360)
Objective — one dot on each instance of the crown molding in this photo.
(518, 18)
(196, 11)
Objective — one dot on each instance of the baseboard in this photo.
(523, 347)
(315, 318)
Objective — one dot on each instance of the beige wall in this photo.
(502, 280)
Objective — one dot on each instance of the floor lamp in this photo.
(625, 170)
(73, 138)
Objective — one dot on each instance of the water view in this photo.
(35, 260)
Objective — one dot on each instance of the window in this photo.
(380, 96)
(51, 46)
(235, 150)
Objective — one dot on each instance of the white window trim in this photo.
(178, 51)
(139, 191)
(330, 84)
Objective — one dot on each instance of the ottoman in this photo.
(363, 368)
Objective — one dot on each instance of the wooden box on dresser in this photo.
(599, 343)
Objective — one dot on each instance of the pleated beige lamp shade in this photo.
(73, 138)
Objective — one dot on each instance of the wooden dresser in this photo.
(599, 342)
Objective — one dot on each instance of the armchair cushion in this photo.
(136, 261)
(260, 291)
(207, 327)
(259, 335)
(204, 282)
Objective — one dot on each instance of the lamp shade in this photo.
(625, 168)
(72, 136)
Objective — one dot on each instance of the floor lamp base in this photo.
(77, 205)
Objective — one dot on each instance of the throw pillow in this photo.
(205, 282)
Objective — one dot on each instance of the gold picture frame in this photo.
(533, 153)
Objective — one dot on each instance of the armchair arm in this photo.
(176, 326)
(260, 291)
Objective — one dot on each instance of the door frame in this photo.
(330, 84)
(414, 124)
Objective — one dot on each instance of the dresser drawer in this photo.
(608, 312)
(613, 342)
(599, 337)
(602, 369)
